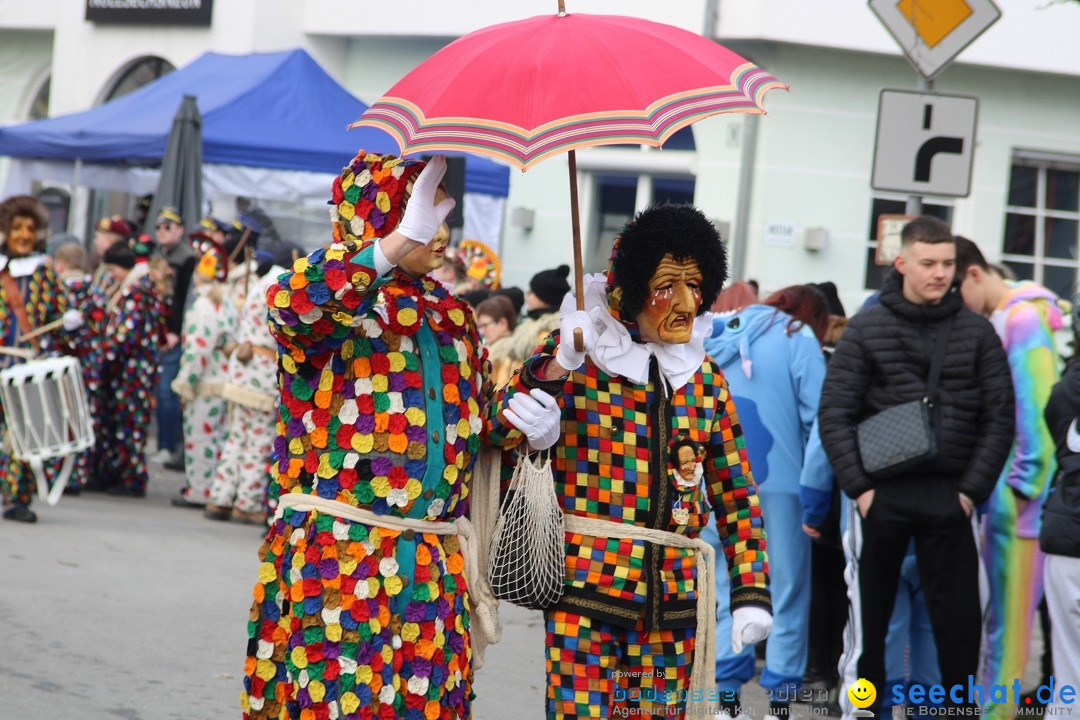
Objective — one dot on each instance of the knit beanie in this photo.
(551, 285)
(828, 289)
(119, 254)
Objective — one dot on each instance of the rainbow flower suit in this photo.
(381, 411)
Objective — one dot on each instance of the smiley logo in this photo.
(862, 693)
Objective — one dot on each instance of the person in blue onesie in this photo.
(771, 356)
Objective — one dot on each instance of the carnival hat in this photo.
(367, 198)
(213, 261)
(481, 263)
(114, 224)
(169, 214)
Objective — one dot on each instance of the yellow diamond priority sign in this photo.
(933, 32)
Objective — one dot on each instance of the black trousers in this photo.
(948, 563)
(828, 614)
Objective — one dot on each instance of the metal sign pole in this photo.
(914, 202)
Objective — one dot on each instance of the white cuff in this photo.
(382, 265)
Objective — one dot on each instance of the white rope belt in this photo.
(485, 605)
(703, 675)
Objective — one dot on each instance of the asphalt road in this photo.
(133, 609)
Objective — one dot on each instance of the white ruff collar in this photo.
(617, 354)
(22, 266)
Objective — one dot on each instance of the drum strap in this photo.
(15, 300)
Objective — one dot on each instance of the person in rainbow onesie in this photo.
(625, 417)
(362, 609)
(1026, 316)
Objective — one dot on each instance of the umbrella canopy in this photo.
(526, 90)
(181, 168)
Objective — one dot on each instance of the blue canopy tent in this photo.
(278, 111)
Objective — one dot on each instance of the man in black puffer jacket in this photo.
(1059, 537)
(883, 360)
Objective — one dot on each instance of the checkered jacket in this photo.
(612, 463)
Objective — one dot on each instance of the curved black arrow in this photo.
(930, 148)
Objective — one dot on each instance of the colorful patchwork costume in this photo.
(134, 330)
(45, 300)
(379, 425)
(622, 637)
(86, 346)
(209, 324)
(251, 389)
(1026, 320)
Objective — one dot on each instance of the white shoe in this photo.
(161, 456)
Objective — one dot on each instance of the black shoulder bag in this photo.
(902, 437)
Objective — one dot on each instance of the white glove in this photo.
(73, 320)
(537, 415)
(749, 625)
(422, 218)
(567, 355)
(184, 390)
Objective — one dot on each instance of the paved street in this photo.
(133, 609)
(121, 608)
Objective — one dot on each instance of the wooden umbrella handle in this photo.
(575, 224)
(47, 327)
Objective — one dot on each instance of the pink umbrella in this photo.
(526, 90)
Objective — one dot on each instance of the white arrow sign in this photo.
(925, 143)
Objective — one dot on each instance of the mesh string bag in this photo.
(526, 561)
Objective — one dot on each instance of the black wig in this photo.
(681, 230)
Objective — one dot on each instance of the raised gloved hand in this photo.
(422, 217)
(73, 320)
(568, 357)
(749, 625)
(536, 414)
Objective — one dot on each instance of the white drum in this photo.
(47, 417)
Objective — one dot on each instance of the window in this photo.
(39, 108)
(133, 76)
(625, 179)
(617, 199)
(141, 72)
(1042, 223)
(875, 274)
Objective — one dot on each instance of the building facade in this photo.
(790, 190)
